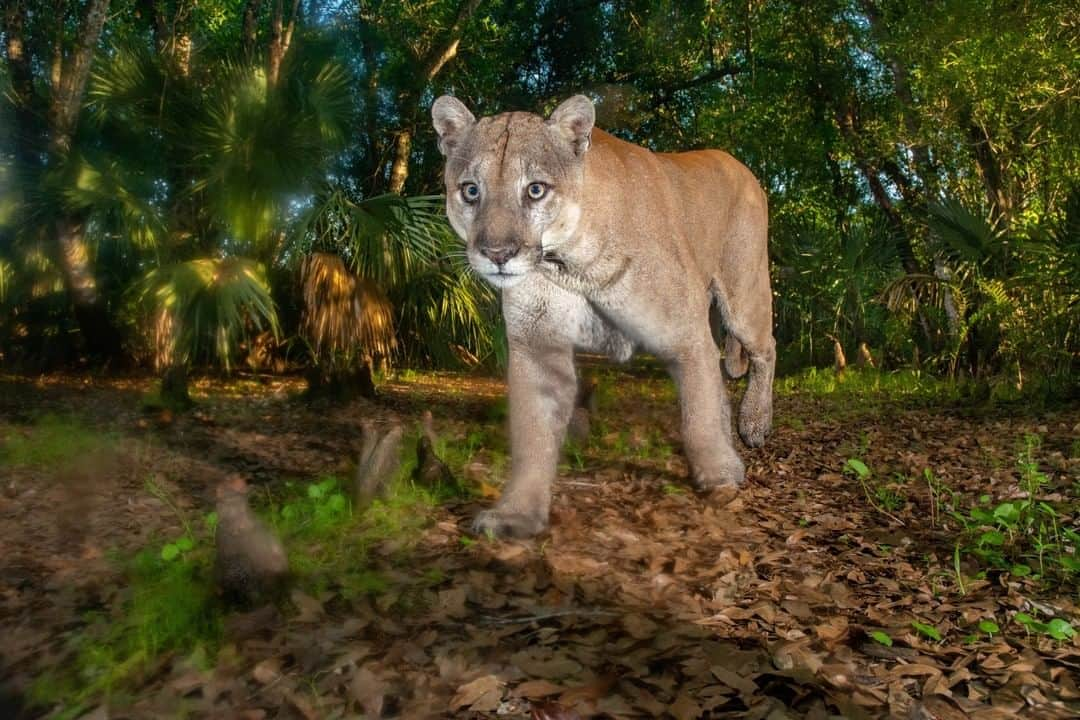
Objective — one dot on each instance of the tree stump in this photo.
(839, 360)
(864, 359)
(430, 471)
(340, 385)
(380, 459)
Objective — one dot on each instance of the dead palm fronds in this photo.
(345, 317)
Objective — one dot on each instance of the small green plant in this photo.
(883, 497)
(935, 489)
(882, 638)
(872, 387)
(1057, 628)
(670, 489)
(925, 630)
(1025, 536)
(576, 456)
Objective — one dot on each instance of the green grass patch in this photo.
(169, 603)
(52, 441)
(861, 382)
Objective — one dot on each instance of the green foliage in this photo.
(868, 385)
(1027, 536)
(444, 313)
(920, 161)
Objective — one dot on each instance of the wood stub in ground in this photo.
(839, 359)
(380, 459)
(174, 388)
(341, 384)
(430, 471)
(251, 564)
(584, 409)
(864, 359)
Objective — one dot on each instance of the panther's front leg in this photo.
(542, 385)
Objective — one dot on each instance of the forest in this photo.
(231, 302)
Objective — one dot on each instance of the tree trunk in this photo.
(990, 172)
(926, 168)
(340, 384)
(399, 171)
(69, 231)
(174, 387)
(100, 337)
(28, 135)
(373, 150)
(438, 55)
(280, 38)
(251, 25)
(68, 96)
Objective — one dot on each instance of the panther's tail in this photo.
(736, 361)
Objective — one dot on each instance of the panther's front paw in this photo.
(729, 474)
(499, 523)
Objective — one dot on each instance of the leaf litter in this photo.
(793, 598)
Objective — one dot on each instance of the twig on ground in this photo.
(489, 620)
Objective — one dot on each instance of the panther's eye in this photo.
(470, 192)
(537, 190)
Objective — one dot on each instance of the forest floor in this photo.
(884, 559)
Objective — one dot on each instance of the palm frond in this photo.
(964, 235)
(343, 314)
(207, 306)
(7, 275)
(258, 147)
(117, 197)
(387, 239)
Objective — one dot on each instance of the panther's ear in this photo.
(574, 119)
(452, 120)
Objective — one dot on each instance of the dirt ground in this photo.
(646, 599)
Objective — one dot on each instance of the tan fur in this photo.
(626, 249)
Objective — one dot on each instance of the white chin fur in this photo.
(503, 281)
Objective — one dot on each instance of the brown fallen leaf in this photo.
(639, 626)
(303, 706)
(534, 689)
(684, 708)
(936, 707)
(744, 685)
(311, 610)
(477, 695)
(542, 663)
(267, 671)
(553, 711)
(369, 690)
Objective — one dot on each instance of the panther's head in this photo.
(513, 183)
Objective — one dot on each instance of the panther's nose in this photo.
(500, 255)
